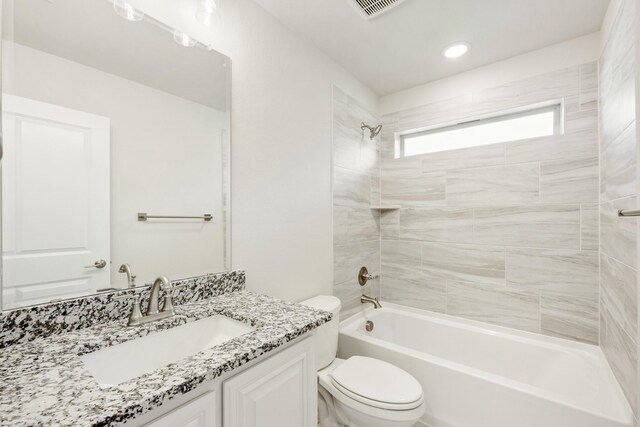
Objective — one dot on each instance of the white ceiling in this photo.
(402, 48)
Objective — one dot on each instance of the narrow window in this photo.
(532, 123)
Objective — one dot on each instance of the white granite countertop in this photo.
(44, 382)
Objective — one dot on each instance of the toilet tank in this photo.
(327, 334)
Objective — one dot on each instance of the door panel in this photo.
(200, 412)
(55, 201)
(281, 391)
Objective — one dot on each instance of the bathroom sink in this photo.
(116, 364)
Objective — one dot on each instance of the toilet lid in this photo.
(376, 380)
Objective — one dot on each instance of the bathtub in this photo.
(479, 375)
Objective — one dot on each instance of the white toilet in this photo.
(360, 391)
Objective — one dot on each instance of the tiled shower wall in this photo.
(618, 190)
(505, 233)
(356, 189)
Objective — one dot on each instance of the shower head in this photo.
(374, 130)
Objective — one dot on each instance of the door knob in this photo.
(98, 264)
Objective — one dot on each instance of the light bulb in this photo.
(456, 50)
(206, 12)
(128, 12)
(183, 39)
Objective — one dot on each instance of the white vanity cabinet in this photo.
(200, 412)
(281, 391)
(277, 391)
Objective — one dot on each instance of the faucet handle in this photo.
(364, 276)
(136, 314)
(168, 298)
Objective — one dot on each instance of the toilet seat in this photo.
(364, 405)
(377, 383)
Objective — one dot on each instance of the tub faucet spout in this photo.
(367, 299)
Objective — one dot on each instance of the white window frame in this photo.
(556, 106)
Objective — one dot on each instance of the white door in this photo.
(279, 392)
(200, 412)
(55, 202)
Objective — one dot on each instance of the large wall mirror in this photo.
(105, 119)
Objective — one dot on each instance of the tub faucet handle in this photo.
(364, 276)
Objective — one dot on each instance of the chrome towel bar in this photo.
(143, 216)
(624, 212)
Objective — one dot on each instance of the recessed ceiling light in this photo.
(456, 50)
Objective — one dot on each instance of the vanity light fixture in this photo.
(128, 12)
(183, 39)
(456, 50)
(206, 12)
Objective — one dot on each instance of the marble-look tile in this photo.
(542, 88)
(589, 86)
(404, 184)
(622, 354)
(494, 304)
(549, 226)
(403, 281)
(617, 74)
(403, 259)
(558, 271)
(364, 224)
(390, 224)
(590, 227)
(370, 258)
(580, 139)
(618, 169)
(435, 113)
(618, 235)
(465, 263)
(426, 294)
(494, 185)
(349, 294)
(346, 262)
(346, 137)
(569, 181)
(475, 157)
(351, 188)
(375, 197)
(446, 224)
(619, 293)
(341, 225)
(572, 317)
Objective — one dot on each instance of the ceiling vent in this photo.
(370, 9)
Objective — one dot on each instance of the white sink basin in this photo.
(116, 364)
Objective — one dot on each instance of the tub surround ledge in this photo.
(44, 382)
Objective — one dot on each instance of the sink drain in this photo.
(368, 326)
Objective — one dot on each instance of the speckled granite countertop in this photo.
(44, 382)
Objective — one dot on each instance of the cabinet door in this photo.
(200, 412)
(279, 392)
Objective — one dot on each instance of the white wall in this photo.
(162, 151)
(556, 57)
(281, 144)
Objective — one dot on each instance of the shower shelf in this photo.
(386, 207)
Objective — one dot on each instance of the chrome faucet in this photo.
(153, 310)
(167, 309)
(367, 299)
(131, 279)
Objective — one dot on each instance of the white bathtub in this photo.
(478, 375)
